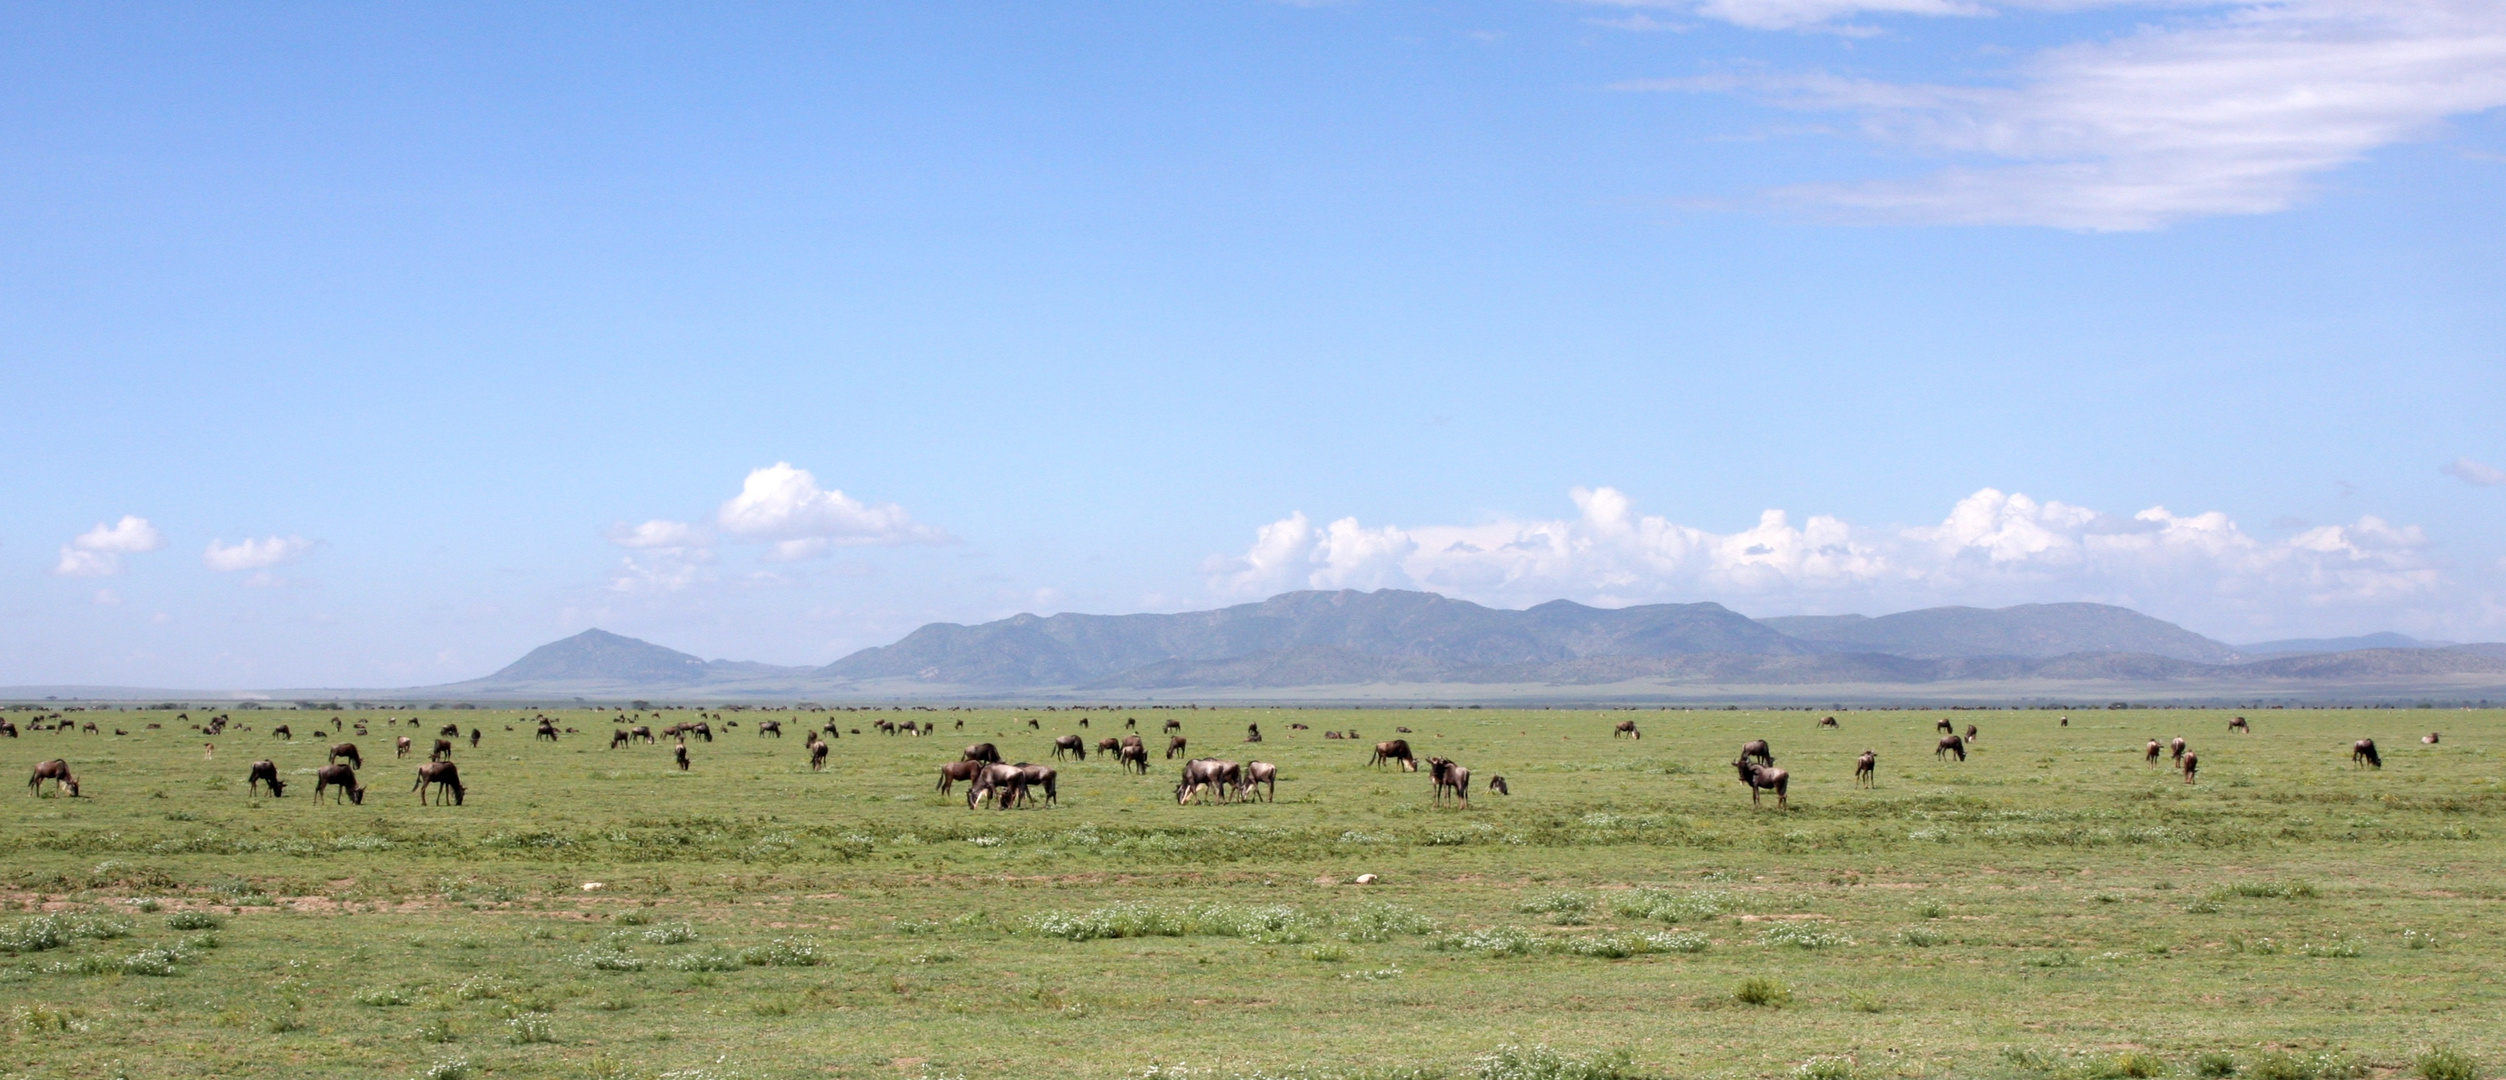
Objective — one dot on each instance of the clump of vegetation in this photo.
(2325, 1066)
(1633, 943)
(1268, 924)
(193, 920)
(52, 931)
(2445, 1063)
(1824, 1068)
(529, 1028)
(673, 934)
(1759, 991)
(1493, 941)
(1664, 905)
(710, 960)
(1802, 936)
(382, 997)
(2266, 890)
(1380, 921)
(2215, 1065)
(1921, 937)
(448, 1069)
(781, 952)
(1539, 1062)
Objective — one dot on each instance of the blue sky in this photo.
(408, 338)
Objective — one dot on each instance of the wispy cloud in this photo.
(98, 551)
(2475, 473)
(254, 554)
(2234, 110)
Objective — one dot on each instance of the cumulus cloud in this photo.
(2232, 110)
(784, 506)
(98, 551)
(2475, 473)
(658, 533)
(254, 554)
(1992, 548)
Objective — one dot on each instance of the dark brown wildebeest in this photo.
(2363, 752)
(642, 731)
(1970, 733)
(2191, 763)
(1201, 774)
(474, 738)
(1397, 750)
(961, 725)
(1403, 730)
(1299, 727)
(996, 782)
(955, 771)
(1829, 722)
(2150, 754)
(449, 731)
(617, 738)
(705, 731)
(1330, 734)
(1031, 777)
(817, 755)
(282, 732)
(770, 727)
(1128, 722)
(265, 772)
(57, 771)
(1252, 732)
(2428, 739)
(1944, 727)
(1951, 744)
(2239, 726)
(1626, 728)
(1134, 756)
(678, 753)
(1866, 769)
(1109, 747)
(1497, 784)
(1083, 722)
(2066, 721)
(983, 752)
(1172, 726)
(444, 776)
(1261, 776)
(1032, 724)
(1174, 746)
(341, 777)
(1757, 748)
(1762, 778)
(1069, 744)
(2175, 749)
(1449, 776)
(547, 730)
(346, 750)
(8, 729)
(442, 751)
(400, 746)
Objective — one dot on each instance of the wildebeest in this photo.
(1829, 722)
(1201, 774)
(1626, 728)
(1032, 724)
(641, 731)
(1757, 748)
(547, 730)
(1174, 746)
(1402, 730)
(678, 753)
(474, 738)
(282, 732)
(8, 729)
(1127, 722)
(770, 727)
(1970, 733)
(400, 746)
(1449, 776)
(57, 771)
(449, 731)
(2191, 763)
(2175, 749)
(1397, 750)
(2149, 754)
(1134, 756)
(341, 777)
(817, 755)
(2363, 752)
(1108, 747)
(1497, 784)
(265, 772)
(1951, 744)
(1252, 732)
(2428, 739)
(1866, 769)
(1299, 727)
(984, 752)
(1172, 725)
(442, 751)
(997, 782)
(2239, 726)
(1031, 777)
(1760, 778)
(1259, 775)
(1944, 727)
(346, 750)
(1330, 734)
(617, 738)
(444, 776)
(955, 771)
(1070, 744)
(705, 731)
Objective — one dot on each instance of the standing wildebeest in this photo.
(2150, 754)
(678, 753)
(2428, 739)
(1134, 756)
(1128, 722)
(770, 727)
(341, 777)
(1032, 724)
(474, 738)
(1627, 728)
(1172, 725)
(984, 752)
(1829, 722)
(2363, 752)
(265, 772)
(1261, 775)
(347, 750)
(1031, 777)
(2191, 764)
(1762, 777)
(444, 776)
(1757, 748)
(2175, 750)
(1174, 746)
(1951, 744)
(1944, 727)
(1070, 744)
(547, 730)
(1449, 775)
(817, 755)
(997, 782)
(282, 732)
(57, 771)
(1201, 774)
(617, 739)
(1866, 769)
(1398, 750)
(400, 746)
(2239, 726)
(1109, 747)
(1970, 733)
(442, 751)
(956, 771)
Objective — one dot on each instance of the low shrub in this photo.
(1769, 993)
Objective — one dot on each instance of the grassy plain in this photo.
(2050, 908)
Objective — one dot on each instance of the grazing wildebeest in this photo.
(265, 772)
(2239, 726)
(1402, 730)
(400, 746)
(1449, 776)
(1201, 774)
(1970, 733)
(1252, 732)
(996, 782)
(1497, 784)
(641, 731)
(57, 771)
(955, 771)
(347, 750)
(1944, 726)
(1031, 777)
(678, 753)
(704, 731)
(449, 731)
(1171, 726)
(1829, 722)
(1174, 746)
(1866, 769)
(2191, 764)
(1032, 724)
(617, 739)
(1109, 747)
(1134, 756)
(444, 776)
(2175, 749)
(1398, 750)
(1070, 744)
(1762, 777)
(341, 777)
(547, 730)
(1757, 748)
(282, 732)
(1083, 721)
(1127, 722)
(2150, 754)
(770, 727)
(1951, 744)
(1626, 728)
(984, 752)
(2363, 752)
(474, 738)
(1330, 734)
(2428, 739)
(817, 755)
(442, 751)
(1261, 775)
(1299, 727)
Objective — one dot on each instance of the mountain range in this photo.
(1394, 638)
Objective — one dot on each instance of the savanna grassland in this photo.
(2052, 907)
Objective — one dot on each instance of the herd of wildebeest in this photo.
(1006, 785)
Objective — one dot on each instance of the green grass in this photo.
(2051, 908)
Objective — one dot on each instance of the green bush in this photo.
(2215, 1065)
(1542, 1063)
(1760, 991)
(2445, 1063)
(193, 920)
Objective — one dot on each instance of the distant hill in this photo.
(2028, 630)
(600, 660)
(2386, 640)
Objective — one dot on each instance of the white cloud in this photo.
(254, 554)
(2233, 111)
(98, 551)
(658, 533)
(785, 506)
(1992, 548)
(107, 597)
(2475, 473)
